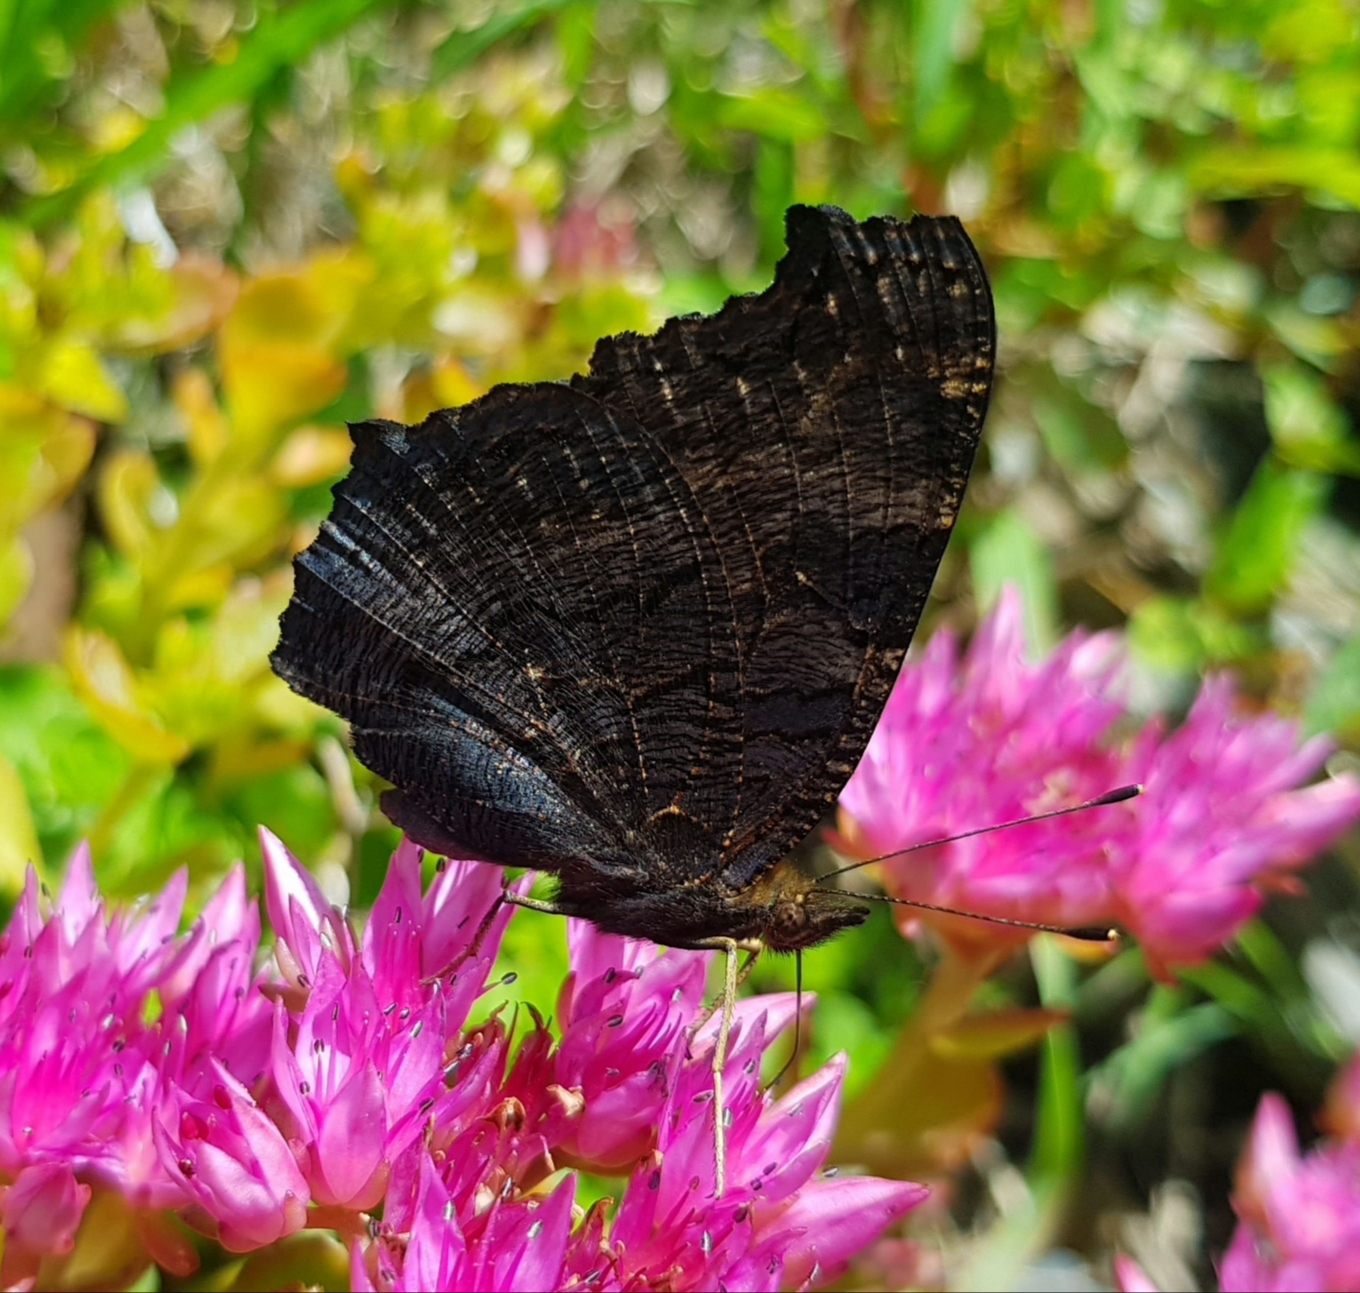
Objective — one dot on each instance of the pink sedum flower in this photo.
(625, 1011)
(358, 1061)
(352, 1078)
(519, 1245)
(85, 1066)
(235, 1165)
(969, 740)
(1299, 1215)
(40, 1212)
(780, 1224)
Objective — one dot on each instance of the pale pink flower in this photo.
(1131, 1278)
(591, 244)
(1299, 1215)
(40, 1212)
(984, 737)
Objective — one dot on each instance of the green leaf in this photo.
(933, 52)
(1123, 1088)
(1237, 171)
(1272, 960)
(16, 575)
(995, 1034)
(463, 48)
(1059, 1138)
(1256, 553)
(1334, 704)
(1322, 342)
(1009, 552)
(1080, 435)
(70, 768)
(774, 114)
(30, 29)
(1309, 429)
(18, 837)
(1245, 1000)
(1179, 635)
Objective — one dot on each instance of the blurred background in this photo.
(228, 227)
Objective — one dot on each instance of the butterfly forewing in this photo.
(827, 428)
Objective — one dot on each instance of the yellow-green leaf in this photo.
(104, 680)
(1236, 170)
(125, 491)
(309, 455)
(16, 574)
(72, 375)
(18, 838)
(919, 1118)
(206, 428)
(271, 384)
(995, 1035)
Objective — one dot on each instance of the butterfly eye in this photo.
(789, 919)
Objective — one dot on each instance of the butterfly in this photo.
(635, 629)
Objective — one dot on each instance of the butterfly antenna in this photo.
(1088, 934)
(1119, 796)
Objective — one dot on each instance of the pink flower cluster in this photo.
(1298, 1214)
(347, 1087)
(966, 742)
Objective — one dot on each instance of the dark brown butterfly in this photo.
(636, 629)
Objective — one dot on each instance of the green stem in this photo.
(1060, 1132)
(135, 784)
(871, 1129)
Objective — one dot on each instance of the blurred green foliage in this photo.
(227, 227)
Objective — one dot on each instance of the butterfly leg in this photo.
(474, 947)
(533, 904)
(732, 980)
(752, 949)
(729, 1005)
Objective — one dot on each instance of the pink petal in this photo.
(350, 1145)
(1130, 1278)
(537, 1252)
(297, 908)
(795, 1135)
(831, 1221)
(41, 1210)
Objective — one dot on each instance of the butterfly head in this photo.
(797, 914)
